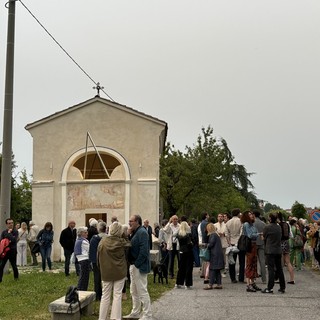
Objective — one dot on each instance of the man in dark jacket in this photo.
(149, 230)
(139, 258)
(67, 240)
(259, 224)
(12, 234)
(93, 249)
(195, 242)
(272, 238)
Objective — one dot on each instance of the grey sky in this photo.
(248, 68)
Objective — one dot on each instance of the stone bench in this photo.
(61, 310)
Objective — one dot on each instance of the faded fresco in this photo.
(95, 196)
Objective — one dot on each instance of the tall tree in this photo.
(298, 210)
(205, 178)
(21, 194)
(271, 207)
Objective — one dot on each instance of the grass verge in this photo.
(28, 298)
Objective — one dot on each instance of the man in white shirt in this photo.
(259, 224)
(32, 239)
(221, 229)
(233, 232)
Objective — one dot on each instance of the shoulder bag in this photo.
(244, 243)
(297, 240)
(204, 254)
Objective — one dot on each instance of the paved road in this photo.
(300, 302)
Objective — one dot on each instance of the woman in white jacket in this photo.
(22, 245)
(81, 251)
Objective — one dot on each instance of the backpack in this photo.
(72, 296)
(285, 230)
(4, 247)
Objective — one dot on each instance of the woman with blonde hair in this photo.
(184, 276)
(22, 245)
(113, 267)
(216, 258)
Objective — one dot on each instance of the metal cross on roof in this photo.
(98, 88)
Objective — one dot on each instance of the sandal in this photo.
(209, 287)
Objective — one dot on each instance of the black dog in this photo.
(162, 272)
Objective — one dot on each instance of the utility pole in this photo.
(6, 167)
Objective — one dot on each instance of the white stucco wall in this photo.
(59, 139)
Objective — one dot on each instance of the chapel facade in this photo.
(96, 159)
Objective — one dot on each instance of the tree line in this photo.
(204, 178)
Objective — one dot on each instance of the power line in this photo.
(64, 50)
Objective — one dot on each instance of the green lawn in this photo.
(29, 297)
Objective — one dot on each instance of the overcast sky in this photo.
(248, 68)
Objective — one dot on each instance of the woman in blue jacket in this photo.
(45, 239)
(250, 231)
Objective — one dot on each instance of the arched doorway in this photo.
(91, 188)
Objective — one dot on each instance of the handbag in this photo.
(244, 243)
(204, 254)
(72, 296)
(297, 241)
(36, 248)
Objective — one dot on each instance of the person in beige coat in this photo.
(171, 228)
(111, 259)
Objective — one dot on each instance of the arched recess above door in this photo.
(115, 164)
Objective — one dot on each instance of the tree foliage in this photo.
(298, 210)
(21, 195)
(21, 198)
(204, 178)
(269, 207)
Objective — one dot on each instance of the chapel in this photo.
(96, 159)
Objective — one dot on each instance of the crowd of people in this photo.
(273, 245)
(118, 254)
(114, 254)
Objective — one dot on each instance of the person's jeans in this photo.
(262, 262)
(164, 257)
(67, 257)
(83, 281)
(46, 256)
(22, 253)
(97, 281)
(196, 257)
(275, 265)
(242, 262)
(184, 275)
(215, 277)
(12, 257)
(139, 293)
(172, 254)
(34, 257)
(295, 257)
(116, 310)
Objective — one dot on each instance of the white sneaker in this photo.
(132, 316)
(223, 275)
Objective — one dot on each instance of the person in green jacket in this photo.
(112, 262)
